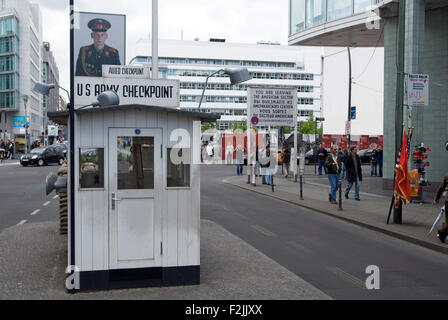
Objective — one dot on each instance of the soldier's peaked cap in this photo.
(99, 25)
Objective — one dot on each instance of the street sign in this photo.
(273, 106)
(353, 113)
(418, 90)
(254, 120)
(19, 121)
(347, 127)
(53, 131)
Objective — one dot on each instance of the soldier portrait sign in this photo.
(100, 40)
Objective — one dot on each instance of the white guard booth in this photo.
(137, 196)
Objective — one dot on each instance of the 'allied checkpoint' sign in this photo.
(273, 106)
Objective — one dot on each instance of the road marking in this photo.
(35, 212)
(46, 203)
(55, 197)
(297, 245)
(263, 231)
(347, 277)
(22, 222)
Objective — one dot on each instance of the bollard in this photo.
(301, 187)
(295, 177)
(249, 170)
(272, 181)
(340, 194)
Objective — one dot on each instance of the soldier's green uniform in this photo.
(90, 60)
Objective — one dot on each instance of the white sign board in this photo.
(272, 106)
(348, 126)
(53, 131)
(159, 93)
(117, 71)
(418, 90)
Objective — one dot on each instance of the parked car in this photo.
(365, 155)
(63, 147)
(43, 156)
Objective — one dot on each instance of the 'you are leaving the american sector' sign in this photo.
(272, 106)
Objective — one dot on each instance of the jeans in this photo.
(373, 171)
(239, 169)
(322, 164)
(349, 187)
(334, 180)
(380, 165)
(343, 171)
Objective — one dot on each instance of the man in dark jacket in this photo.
(443, 233)
(333, 164)
(354, 172)
(322, 155)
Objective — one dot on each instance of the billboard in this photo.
(418, 90)
(100, 39)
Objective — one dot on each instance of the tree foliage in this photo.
(239, 126)
(309, 126)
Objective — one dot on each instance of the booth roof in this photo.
(61, 117)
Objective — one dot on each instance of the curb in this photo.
(395, 234)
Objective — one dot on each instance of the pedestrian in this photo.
(354, 173)
(322, 155)
(333, 164)
(344, 159)
(443, 233)
(286, 160)
(380, 161)
(239, 160)
(264, 166)
(11, 150)
(373, 163)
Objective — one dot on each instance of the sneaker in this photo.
(329, 197)
(357, 199)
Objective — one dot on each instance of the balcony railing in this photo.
(306, 14)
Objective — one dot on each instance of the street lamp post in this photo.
(236, 76)
(25, 101)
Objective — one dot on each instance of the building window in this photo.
(338, 9)
(178, 167)
(361, 6)
(314, 12)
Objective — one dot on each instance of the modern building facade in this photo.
(20, 69)
(269, 64)
(50, 74)
(342, 23)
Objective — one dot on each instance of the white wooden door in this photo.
(135, 186)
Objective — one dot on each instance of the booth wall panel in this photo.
(100, 202)
(86, 133)
(130, 119)
(119, 119)
(171, 222)
(78, 201)
(140, 121)
(194, 223)
(108, 122)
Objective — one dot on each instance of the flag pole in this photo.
(395, 177)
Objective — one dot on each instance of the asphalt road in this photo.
(22, 195)
(328, 253)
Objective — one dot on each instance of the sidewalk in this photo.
(9, 162)
(33, 258)
(370, 212)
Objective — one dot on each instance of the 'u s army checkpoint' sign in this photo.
(154, 92)
(273, 106)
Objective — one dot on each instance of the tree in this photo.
(239, 126)
(309, 127)
(208, 126)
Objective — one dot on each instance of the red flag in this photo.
(402, 187)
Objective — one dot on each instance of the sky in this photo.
(243, 21)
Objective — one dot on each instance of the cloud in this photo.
(243, 21)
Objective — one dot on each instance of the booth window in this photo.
(135, 163)
(178, 168)
(91, 168)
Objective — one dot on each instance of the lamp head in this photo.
(42, 88)
(238, 75)
(107, 98)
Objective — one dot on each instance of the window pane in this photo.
(178, 167)
(135, 156)
(314, 12)
(91, 168)
(362, 5)
(297, 22)
(338, 9)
